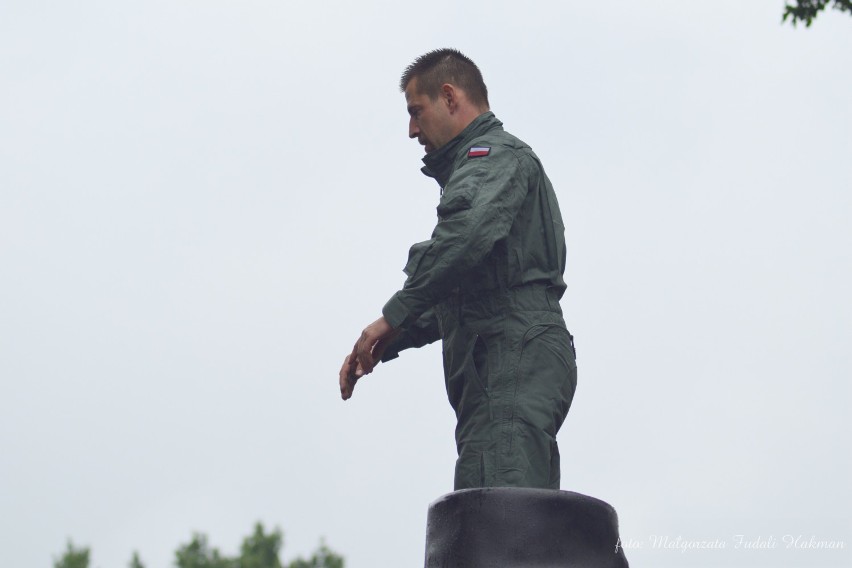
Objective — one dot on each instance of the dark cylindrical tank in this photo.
(509, 527)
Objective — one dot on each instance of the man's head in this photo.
(444, 91)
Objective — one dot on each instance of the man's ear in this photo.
(449, 95)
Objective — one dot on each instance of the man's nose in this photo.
(413, 129)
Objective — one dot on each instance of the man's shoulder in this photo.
(501, 138)
(495, 146)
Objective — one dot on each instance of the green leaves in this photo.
(199, 554)
(135, 562)
(807, 10)
(259, 550)
(73, 557)
(322, 558)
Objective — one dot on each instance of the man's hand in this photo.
(349, 373)
(367, 352)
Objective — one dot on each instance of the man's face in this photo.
(429, 120)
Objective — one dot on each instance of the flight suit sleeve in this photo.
(422, 332)
(477, 209)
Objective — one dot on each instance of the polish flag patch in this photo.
(478, 152)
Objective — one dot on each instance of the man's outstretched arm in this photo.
(420, 333)
(367, 351)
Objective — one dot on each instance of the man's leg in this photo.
(543, 387)
(477, 432)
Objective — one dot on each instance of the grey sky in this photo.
(203, 203)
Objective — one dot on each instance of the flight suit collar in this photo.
(440, 163)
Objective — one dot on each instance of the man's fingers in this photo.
(354, 365)
(347, 377)
(367, 350)
(364, 353)
(352, 358)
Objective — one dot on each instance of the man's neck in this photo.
(465, 116)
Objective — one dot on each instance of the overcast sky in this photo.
(202, 203)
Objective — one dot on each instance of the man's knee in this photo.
(532, 460)
(475, 468)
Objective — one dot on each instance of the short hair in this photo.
(446, 65)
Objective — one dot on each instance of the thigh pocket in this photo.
(547, 376)
(466, 372)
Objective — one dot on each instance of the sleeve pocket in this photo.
(455, 202)
(415, 255)
(460, 191)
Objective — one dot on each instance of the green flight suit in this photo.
(488, 284)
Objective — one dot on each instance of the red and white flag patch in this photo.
(478, 151)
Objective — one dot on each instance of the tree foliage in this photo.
(322, 558)
(261, 550)
(258, 550)
(135, 561)
(197, 553)
(806, 10)
(72, 557)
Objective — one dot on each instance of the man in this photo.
(487, 284)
